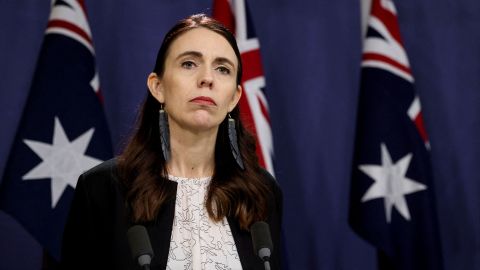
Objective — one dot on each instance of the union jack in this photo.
(383, 49)
(235, 15)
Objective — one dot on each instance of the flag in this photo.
(235, 15)
(392, 202)
(62, 131)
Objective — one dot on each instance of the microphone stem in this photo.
(267, 265)
(147, 267)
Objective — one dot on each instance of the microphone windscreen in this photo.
(261, 236)
(139, 241)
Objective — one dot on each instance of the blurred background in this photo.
(311, 52)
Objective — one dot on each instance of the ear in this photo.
(235, 98)
(155, 86)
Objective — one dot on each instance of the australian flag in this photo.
(392, 203)
(62, 132)
(235, 15)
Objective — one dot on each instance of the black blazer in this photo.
(95, 233)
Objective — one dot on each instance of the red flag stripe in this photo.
(264, 110)
(251, 60)
(84, 8)
(71, 27)
(223, 13)
(421, 127)
(387, 60)
(388, 18)
(246, 117)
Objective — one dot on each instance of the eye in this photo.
(188, 64)
(223, 70)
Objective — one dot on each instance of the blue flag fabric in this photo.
(392, 203)
(63, 130)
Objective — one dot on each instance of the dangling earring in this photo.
(164, 133)
(232, 136)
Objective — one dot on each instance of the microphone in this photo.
(140, 246)
(262, 242)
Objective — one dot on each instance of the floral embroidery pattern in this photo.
(198, 243)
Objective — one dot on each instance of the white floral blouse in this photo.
(197, 242)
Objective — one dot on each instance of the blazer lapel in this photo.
(243, 242)
(160, 231)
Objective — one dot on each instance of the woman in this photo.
(189, 173)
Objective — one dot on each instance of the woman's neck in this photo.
(193, 153)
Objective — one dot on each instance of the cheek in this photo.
(173, 91)
(232, 99)
(226, 103)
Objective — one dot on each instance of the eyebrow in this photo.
(200, 55)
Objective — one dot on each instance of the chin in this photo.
(205, 121)
(202, 126)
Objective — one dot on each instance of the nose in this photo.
(206, 78)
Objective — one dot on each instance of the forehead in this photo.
(205, 41)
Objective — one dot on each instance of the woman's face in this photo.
(198, 87)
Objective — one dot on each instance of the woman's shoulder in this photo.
(104, 168)
(274, 187)
(275, 206)
(268, 178)
(104, 174)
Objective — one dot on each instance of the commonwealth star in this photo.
(62, 162)
(391, 184)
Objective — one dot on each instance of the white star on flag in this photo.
(391, 183)
(62, 162)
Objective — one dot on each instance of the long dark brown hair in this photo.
(233, 192)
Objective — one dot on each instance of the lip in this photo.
(203, 100)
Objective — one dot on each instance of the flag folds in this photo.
(62, 132)
(392, 204)
(235, 15)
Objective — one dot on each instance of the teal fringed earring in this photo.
(232, 136)
(164, 133)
